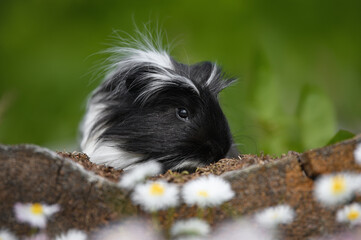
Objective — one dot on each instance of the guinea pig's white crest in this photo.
(119, 131)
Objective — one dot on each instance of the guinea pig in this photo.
(152, 107)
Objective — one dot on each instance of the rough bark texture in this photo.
(33, 174)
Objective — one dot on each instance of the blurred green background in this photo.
(298, 64)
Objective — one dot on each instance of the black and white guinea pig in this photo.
(151, 107)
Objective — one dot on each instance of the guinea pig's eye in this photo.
(182, 114)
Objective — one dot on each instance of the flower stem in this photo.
(170, 217)
(228, 210)
(169, 221)
(155, 220)
(33, 231)
(210, 214)
(200, 212)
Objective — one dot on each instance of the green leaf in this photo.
(265, 92)
(340, 136)
(316, 117)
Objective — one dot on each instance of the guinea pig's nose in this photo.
(215, 150)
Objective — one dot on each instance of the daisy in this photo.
(350, 213)
(6, 235)
(131, 229)
(191, 227)
(207, 191)
(334, 189)
(357, 153)
(346, 235)
(242, 229)
(273, 216)
(155, 195)
(35, 214)
(39, 236)
(139, 173)
(190, 238)
(72, 234)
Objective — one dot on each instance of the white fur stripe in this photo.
(109, 154)
(105, 153)
(212, 76)
(188, 164)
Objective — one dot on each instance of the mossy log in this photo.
(33, 174)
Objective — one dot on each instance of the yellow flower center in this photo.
(36, 209)
(338, 185)
(352, 215)
(203, 193)
(156, 189)
(275, 216)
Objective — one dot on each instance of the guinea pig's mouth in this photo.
(205, 154)
(188, 165)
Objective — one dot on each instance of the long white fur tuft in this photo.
(139, 50)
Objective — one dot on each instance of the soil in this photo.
(223, 165)
(108, 172)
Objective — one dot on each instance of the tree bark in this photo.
(30, 173)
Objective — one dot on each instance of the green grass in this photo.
(298, 64)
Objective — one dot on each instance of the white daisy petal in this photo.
(72, 234)
(132, 229)
(242, 229)
(35, 214)
(139, 173)
(156, 195)
(39, 236)
(273, 216)
(190, 238)
(207, 191)
(7, 235)
(357, 154)
(50, 209)
(191, 227)
(350, 213)
(335, 189)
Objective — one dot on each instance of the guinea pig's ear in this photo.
(201, 71)
(210, 76)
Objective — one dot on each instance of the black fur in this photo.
(141, 113)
